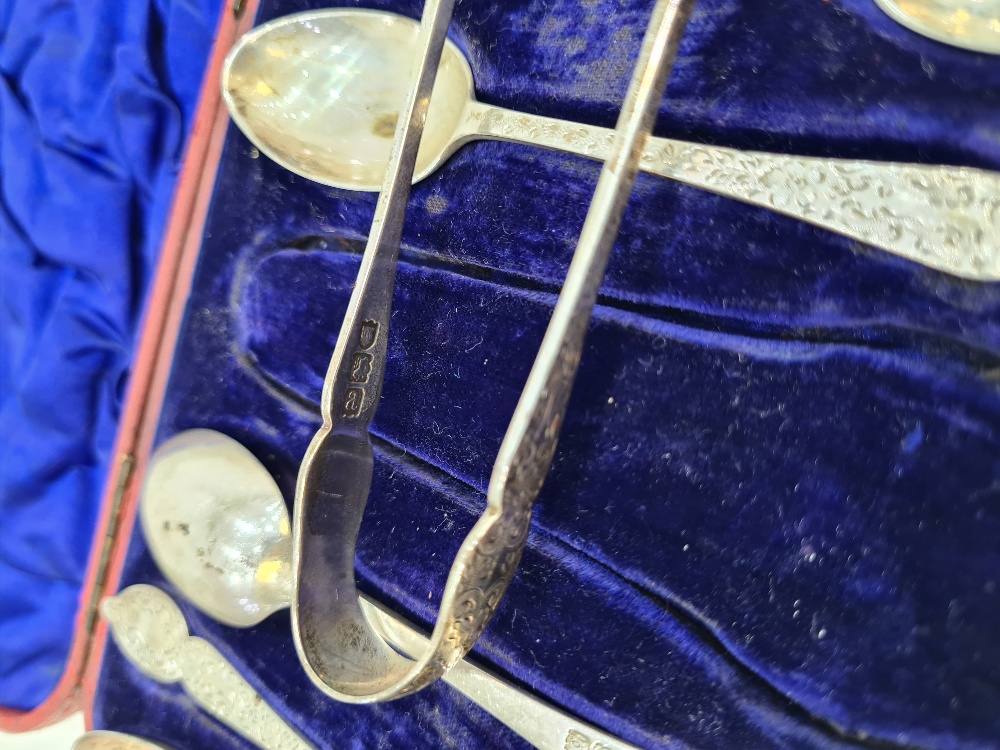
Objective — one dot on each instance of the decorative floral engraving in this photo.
(560, 135)
(150, 630)
(489, 557)
(943, 217)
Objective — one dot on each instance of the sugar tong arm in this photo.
(341, 650)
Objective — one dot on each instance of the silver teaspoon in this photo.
(320, 92)
(217, 526)
(151, 632)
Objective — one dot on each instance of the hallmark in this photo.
(361, 367)
(362, 364)
(353, 400)
(368, 334)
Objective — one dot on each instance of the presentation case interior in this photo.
(773, 513)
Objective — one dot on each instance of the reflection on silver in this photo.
(151, 632)
(208, 507)
(102, 740)
(973, 24)
(535, 720)
(319, 93)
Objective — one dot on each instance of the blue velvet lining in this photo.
(772, 519)
(94, 101)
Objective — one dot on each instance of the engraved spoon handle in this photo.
(150, 630)
(944, 217)
(545, 727)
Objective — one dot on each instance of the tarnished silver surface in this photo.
(973, 24)
(150, 630)
(339, 648)
(101, 740)
(535, 720)
(280, 79)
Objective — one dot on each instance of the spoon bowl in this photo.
(320, 93)
(973, 24)
(217, 526)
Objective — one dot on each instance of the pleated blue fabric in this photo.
(95, 100)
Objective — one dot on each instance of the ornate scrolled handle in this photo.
(944, 217)
(150, 630)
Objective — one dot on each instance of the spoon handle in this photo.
(944, 217)
(150, 630)
(542, 725)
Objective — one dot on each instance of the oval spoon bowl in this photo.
(320, 94)
(217, 526)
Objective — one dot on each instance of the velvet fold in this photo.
(95, 101)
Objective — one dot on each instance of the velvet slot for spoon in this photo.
(327, 114)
